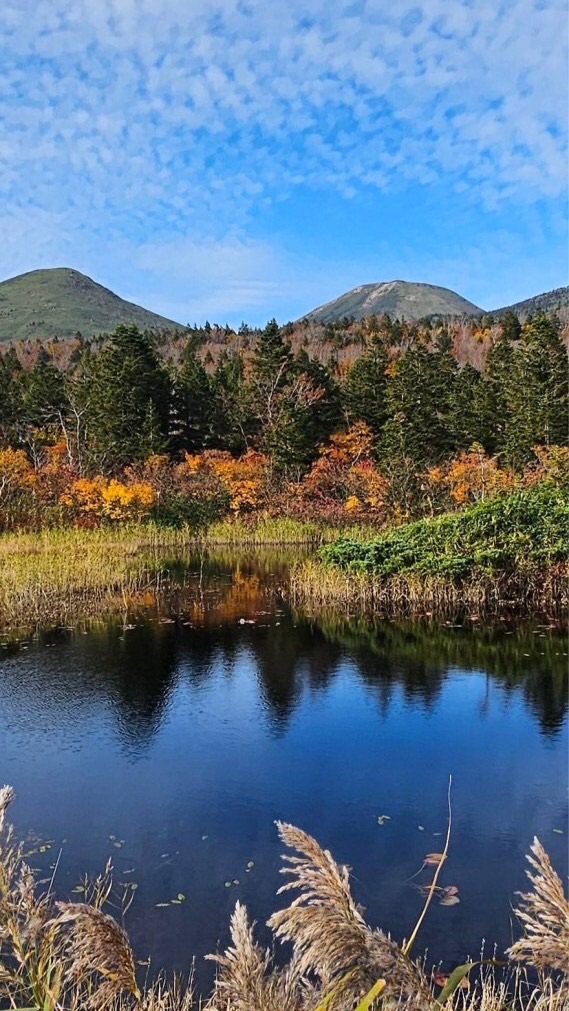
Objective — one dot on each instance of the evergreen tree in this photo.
(539, 401)
(495, 395)
(193, 406)
(511, 326)
(468, 409)
(126, 400)
(364, 388)
(419, 406)
(307, 410)
(233, 424)
(42, 391)
(272, 356)
(10, 396)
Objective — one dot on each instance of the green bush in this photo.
(528, 527)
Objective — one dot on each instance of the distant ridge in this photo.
(404, 299)
(548, 301)
(59, 302)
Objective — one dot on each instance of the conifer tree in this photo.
(364, 388)
(126, 400)
(538, 402)
(511, 326)
(272, 356)
(233, 422)
(193, 406)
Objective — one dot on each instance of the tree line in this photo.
(414, 407)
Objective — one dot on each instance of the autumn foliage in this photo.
(344, 485)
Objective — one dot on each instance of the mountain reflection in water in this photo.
(186, 728)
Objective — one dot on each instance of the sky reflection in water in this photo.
(186, 738)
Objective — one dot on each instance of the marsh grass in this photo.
(533, 591)
(58, 576)
(73, 956)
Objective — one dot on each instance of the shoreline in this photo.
(55, 577)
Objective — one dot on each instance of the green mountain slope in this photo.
(61, 301)
(404, 299)
(546, 302)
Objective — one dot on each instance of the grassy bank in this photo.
(74, 956)
(58, 576)
(507, 553)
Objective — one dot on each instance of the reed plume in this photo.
(96, 949)
(330, 937)
(544, 913)
(247, 981)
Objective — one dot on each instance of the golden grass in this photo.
(318, 585)
(54, 576)
(58, 576)
(58, 956)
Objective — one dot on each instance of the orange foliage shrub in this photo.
(344, 479)
(103, 499)
(552, 464)
(245, 478)
(469, 477)
(16, 474)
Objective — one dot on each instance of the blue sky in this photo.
(238, 159)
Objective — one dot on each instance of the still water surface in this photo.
(185, 735)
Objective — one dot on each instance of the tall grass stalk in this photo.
(543, 590)
(73, 956)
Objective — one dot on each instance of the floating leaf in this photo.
(421, 828)
(382, 818)
(434, 859)
(559, 831)
(450, 890)
(78, 889)
(450, 900)
(181, 897)
(162, 905)
(250, 864)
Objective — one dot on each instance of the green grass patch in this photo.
(525, 529)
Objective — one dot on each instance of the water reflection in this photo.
(218, 610)
(191, 723)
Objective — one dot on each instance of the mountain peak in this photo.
(60, 301)
(409, 300)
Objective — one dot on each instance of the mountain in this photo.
(547, 302)
(404, 299)
(58, 302)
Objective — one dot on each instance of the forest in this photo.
(401, 430)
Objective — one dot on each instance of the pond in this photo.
(173, 739)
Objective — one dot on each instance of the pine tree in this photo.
(272, 356)
(418, 431)
(233, 422)
(468, 409)
(364, 389)
(126, 395)
(539, 400)
(192, 418)
(496, 395)
(511, 326)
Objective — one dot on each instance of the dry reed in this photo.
(316, 585)
(75, 957)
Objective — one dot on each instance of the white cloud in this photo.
(135, 124)
(163, 99)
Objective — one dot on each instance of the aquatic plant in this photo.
(73, 956)
(505, 553)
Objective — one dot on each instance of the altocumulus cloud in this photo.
(144, 122)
